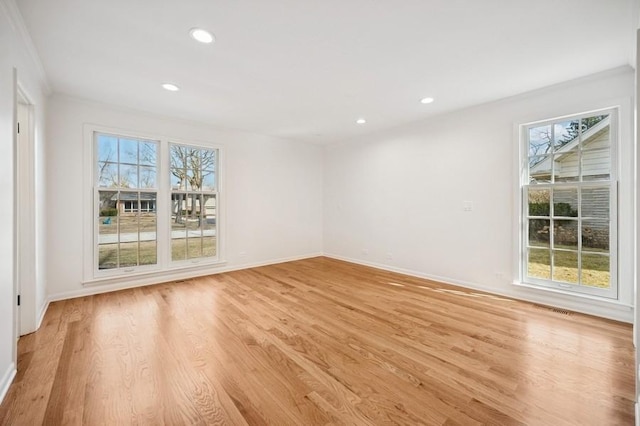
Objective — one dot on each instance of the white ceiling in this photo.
(307, 69)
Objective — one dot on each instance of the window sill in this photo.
(175, 272)
(578, 296)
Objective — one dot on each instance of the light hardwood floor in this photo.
(319, 341)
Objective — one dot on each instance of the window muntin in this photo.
(569, 209)
(193, 202)
(125, 196)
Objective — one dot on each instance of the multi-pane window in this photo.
(569, 204)
(126, 193)
(155, 205)
(193, 202)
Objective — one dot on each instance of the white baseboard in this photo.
(169, 276)
(600, 308)
(6, 380)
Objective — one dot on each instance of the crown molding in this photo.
(11, 11)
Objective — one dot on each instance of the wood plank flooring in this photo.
(317, 342)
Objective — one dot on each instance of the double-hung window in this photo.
(155, 205)
(568, 187)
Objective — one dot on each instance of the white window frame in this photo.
(576, 289)
(165, 266)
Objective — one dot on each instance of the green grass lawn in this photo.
(180, 250)
(595, 268)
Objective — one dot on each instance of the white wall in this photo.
(16, 53)
(394, 199)
(273, 190)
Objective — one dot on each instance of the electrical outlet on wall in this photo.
(365, 251)
(467, 206)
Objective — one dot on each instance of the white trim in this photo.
(12, 12)
(603, 308)
(7, 379)
(167, 276)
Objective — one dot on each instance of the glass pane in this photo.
(539, 233)
(179, 156)
(128, 176)
(595, 202)
(148, 153)
(147, 177)
(565, 234)
(565, 133)
(194, 180)
(565, 166)
(539, 202)
(147, 226)
(595, 236)
(595, 270)
(194, 248)
(178, 248)
(128, 254)
(596, 164)
(108, 256)
(565, 202)
(107, 175)
(539, 264)
(128, 151)
(107, 149)
(539, 140)
(595, 132)
(178, 179)
(208, 160)
(540, 169)
(208, 181)
(208, 246)
(565, 266)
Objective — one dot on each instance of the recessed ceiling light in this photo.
(427, 100)
(170, 87)
(361, 121)
(203, 36)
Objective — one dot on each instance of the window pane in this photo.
(595, 132)
(565, 234)
(208, 181)
(128, 254)
(596, 202)
(147, 226)
(128, 151)
(107, 230)
(178, 179)
(595, 236)
(208, 160)
(565, 266)
(148, 153)
(178, 248)
(539, 264)
(128, 176)
(539, 140)
(595, 270)
(209, 226)
(539, 202)
(194, 180)
(539, 232)
(107, 148)
(107, 175)
(564, 133)
(147, 177)
(108, 256)
(565, 202)
(596, 165)
(565, 166)
(540, 169)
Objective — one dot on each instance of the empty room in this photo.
(287, 212)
